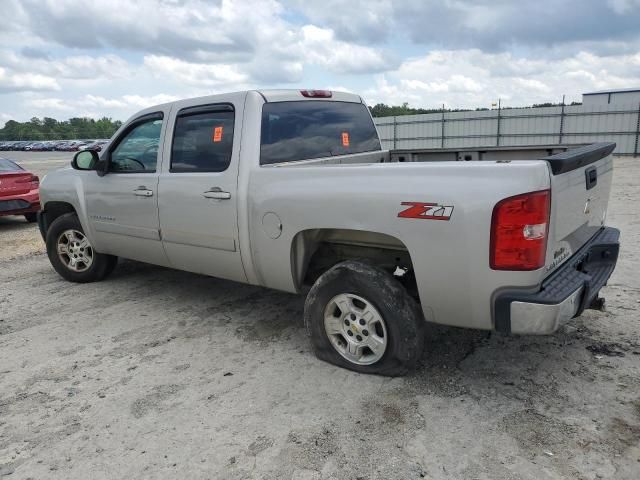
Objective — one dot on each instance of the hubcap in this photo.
(75, 251)
(355, 329)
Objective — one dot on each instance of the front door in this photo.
(197, 194)
(122, 205)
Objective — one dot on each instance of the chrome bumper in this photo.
(564, 294)
(541, 319)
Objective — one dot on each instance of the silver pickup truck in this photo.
(291, 190)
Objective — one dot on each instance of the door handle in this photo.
(217, 194)
(143, 192)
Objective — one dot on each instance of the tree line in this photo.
(382, 110)
(51, 129)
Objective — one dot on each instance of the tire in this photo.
(31, 217)
(351, 293)
(78, 261)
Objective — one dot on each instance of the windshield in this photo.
(313, 129)
(8, 166)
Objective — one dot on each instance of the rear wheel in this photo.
(361, 318)
(71, 253)
(31, 217)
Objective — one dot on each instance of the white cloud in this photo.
(16, 82)
(623, 6)
(116, 56)
(4, 118)
(197, 74)
(319, 46)
(86, 67)
(92, 105)
(101, 102)
(353, 21)
(50, 104)
(436, 79)
(20, 73)
(141, 101)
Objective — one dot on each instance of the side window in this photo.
(203, 140)
(137, 151)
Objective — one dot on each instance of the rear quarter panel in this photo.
(450, 258)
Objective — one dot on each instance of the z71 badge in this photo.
(426, 211)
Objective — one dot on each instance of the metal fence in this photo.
(565, 124)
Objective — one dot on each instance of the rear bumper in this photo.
(564, 294)
(20, 204)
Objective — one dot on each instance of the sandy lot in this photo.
(162, 374)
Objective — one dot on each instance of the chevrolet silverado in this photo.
(291, 190)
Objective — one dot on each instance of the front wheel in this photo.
(361, 318)
(72, 255)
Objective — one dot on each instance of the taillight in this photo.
(35, 182)
(316, 93)
(519, 229)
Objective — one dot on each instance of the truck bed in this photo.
(366, 191)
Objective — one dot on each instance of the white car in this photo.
(291, 190)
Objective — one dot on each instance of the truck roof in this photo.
(269, 96)
(289, 95)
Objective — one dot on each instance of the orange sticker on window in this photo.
(217, 134)
(345, 139)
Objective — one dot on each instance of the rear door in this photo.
(579, 199)
(198, 190)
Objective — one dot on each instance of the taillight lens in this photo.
(316, 93)
(33, 180)
(519, 230)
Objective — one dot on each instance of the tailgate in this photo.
(15, 183)
(580, 187)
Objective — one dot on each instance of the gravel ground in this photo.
(156, 373)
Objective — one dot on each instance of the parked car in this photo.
(37, 147)
(292, 190)
(67, 146)
(59, 144)
(95, 145)
(99, 145)
(19, 145)
(75, 145)
(19, 191)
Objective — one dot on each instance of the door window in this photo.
(138, 149)
(203, 140)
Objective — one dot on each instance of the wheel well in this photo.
(53, 210)
(316, 251)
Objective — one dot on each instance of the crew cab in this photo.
(291, 190)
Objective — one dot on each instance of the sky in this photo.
(67, 58)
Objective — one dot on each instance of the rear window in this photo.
(8, 166)
(303, 130)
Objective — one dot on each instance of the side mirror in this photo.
(85, 160)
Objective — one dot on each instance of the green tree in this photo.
(52, 129)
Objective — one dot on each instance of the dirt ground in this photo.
(156, 373)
